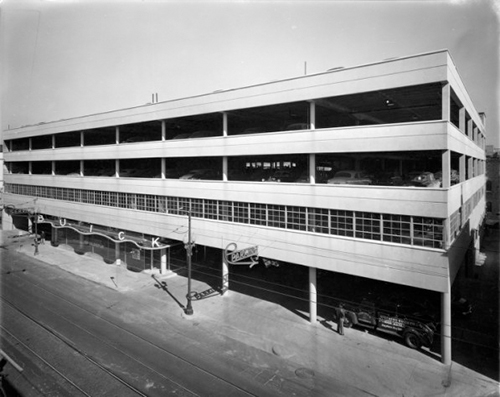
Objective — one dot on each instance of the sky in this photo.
(68, 58)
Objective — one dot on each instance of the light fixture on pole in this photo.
(189, 252)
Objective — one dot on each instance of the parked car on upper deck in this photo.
(454, 177)
(350, 177)
(282, 176)
(204, 134)
(201, 174)
(425, 179)
(297, 126)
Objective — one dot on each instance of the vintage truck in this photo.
(405, 319)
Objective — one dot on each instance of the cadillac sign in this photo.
(234, 256)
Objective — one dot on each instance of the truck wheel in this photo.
(412, 340)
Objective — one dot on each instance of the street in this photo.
(74, 337)
(98, 334)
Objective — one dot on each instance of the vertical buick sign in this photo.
(234, 256)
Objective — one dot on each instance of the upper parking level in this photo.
(405, 90)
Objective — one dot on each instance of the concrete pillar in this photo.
(313, 296)
(225, 168)
(225, 277)
(446, 328)
(163, 130)
(53, 168)
(461, 121)
(53, 141)
(312, 115)
(117, 135)
(55, 239)
(445, 108)
(224, 124)
(312, 168)
(118, 260)
(163, 262)
(163, 167)
(462, 168)
(82, 168)
(82, 139)
(117, 168)
(446, 168)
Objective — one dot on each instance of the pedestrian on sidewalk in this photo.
(42, 237)
(340, 319)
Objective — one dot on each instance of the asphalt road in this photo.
(74, 337)
(72, 343)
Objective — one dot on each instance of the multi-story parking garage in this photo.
(375, 171)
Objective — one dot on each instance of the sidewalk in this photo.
(374, 365)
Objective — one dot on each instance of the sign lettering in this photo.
(234, 256)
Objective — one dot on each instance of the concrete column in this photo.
(82, 139)
(163, 167)
(225, 168)
(54, 239)
(53, 141)
(313, 296)
(469, 168)
(30, 144)
(224, 124)
(461, 121)
(445, 108)
(446, 233)
(312, 168)
(446, 328)
(470, 126)
(312, 115)
(163, 130)
(117, 168)
(445, 168)
(225, 277)
(82, 168)
(462, 168)
(163, 262)
(117, 135)
(118, 261)
(53, 166)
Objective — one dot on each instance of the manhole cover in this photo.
(304, 373)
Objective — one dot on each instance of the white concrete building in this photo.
(119, 174)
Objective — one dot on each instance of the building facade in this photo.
(376, 171)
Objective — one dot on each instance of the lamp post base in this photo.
(189, 310)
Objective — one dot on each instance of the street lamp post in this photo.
(189, 253)
(36, 234)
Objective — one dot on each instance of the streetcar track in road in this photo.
(67, 343)
(119, 327)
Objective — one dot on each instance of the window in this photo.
(342, 223)
(296, 218)
(241, 212)
(368, 225)
(258, 214)
(211, 209)
(317, 220)
(397, 228)
(276, 216)
(226, 211)
(427, 232)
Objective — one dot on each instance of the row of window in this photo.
(402, 229)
